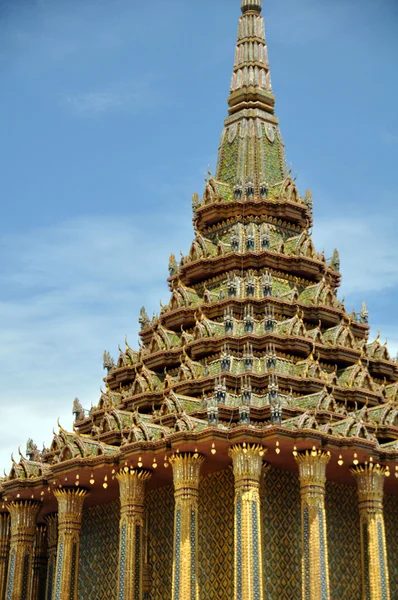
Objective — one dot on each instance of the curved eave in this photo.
(330, 316)
(300, 439)
(199, 270)
(210, 214)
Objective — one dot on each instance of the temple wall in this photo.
(160, 504)
(344, 541)
(216, 536)
(280, 497)
(99, 551)
(391, 523)
(282, 535)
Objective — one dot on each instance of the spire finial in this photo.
(251, 5)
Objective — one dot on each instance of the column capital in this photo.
(186, 470)
(312, 467)
(132, 486)
(23, 516)
(370, 481)
(247, 462)
(70, 505)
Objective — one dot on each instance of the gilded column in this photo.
(70, 509)
(186, 471)
(247, 465)
(4, 552)
(39, 563)
(52, 542)
(375, 579)
(131, 540)
(23, 530)
(315, 568)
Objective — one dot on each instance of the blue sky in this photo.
(111, 112)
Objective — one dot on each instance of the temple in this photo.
(248, 448)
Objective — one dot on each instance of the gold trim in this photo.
(23, 530)
(39, 562)
(4, 552)
(132, 511)
(186, 472)
(70, 509)
(248, 568)
(315, 561)
(375, 577)
(52, 543)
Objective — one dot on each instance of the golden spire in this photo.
(251, 134)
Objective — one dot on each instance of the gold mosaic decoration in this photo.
(186, 472)
(216, 536)
(375, 579)
(160, 503)
(280, 501)
(99, 552)
(342, 517)
(23, 532)
(281, 523)
(131, 535)
(70, 509)
(247, 462)
(4, 550)
(391, 521)
(315, 559)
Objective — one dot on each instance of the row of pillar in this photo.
(42, 561)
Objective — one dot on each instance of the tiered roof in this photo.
(254, 340)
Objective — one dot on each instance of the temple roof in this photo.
(254, 337)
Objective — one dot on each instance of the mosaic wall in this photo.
(216, 536)
(344, 542)
(99, 551)
(280, 496)
(391, 523)
(160, 505)
(282, 535)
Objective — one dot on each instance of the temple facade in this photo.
(248, 449)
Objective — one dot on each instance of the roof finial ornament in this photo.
(251, 5)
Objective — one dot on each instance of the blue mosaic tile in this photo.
(177, 555)
(122, 561)
(365, 538)
(11, 573)
(323, 556)
(25, 576)
(239, 550)
(137, 563)
(50, 581)
(59, 571)
(73, 574)
(256, 555)
(306, 550)
(382, 562)
(193, 555)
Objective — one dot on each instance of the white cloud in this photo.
(68, 293)
(368, 250)
(130, 99)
